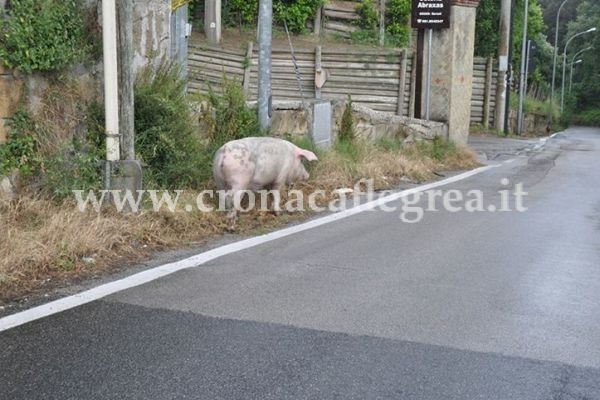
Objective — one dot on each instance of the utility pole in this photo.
(212, 21)
(122, 171)
(509, 70)
(125, 67)
(381, 23)
(111, 86)
(265, 19)
(502, 80)
(522, 76)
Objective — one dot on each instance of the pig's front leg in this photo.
(276, 193)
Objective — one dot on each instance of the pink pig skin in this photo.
(257, 163)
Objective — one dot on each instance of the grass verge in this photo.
(45, 244)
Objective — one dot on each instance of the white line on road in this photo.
(140, 278)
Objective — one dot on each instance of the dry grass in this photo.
(44, 244)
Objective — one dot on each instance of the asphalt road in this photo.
(461, 305)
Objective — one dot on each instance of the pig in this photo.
(257, 163)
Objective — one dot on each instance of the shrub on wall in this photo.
(42, 35)
(368, 14)
(397, 13)
(294, 12)
(165, 139)
(397, 25)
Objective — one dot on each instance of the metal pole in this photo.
(522, 79)
(381, 23)
(265, 19)
(428, 83)
(509, 71)
(501, 84)
(562, 94)
(571, 73)
(556, 49)
(527, 64)
(581, 51)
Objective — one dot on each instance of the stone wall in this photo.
(11, 92)
(291, 118)
(151, 33)
(533, 124)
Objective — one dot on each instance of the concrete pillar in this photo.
(452, 70)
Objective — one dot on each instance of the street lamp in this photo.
(571, 74)
(581, 51)
(562, 93)
(556, 49)
(573, 63)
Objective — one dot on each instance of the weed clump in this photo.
(165, 139)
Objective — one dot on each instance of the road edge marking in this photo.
(140, 278)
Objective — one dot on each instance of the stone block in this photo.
(11, 90)
(3, 130)
(321, 124)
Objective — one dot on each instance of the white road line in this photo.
(140, 278)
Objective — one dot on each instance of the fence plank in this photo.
(383, 79)
(488, 94)
(401, 85)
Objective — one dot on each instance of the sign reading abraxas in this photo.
(430, 14)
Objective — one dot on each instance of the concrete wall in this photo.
(151, 32)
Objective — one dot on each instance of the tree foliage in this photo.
(586, 76)
(488, 23)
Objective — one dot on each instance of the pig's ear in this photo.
(309, 155)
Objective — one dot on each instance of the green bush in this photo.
(227, 116)
(397, 30)
(224, 116)
(397, 16)
(347, 129)
(365, 36)
(437, 149)
(78, 164)
(369, 16)
(165, 139)
(389, 144)
(42, 35)
(240, 12)
(19, 152)
(295, 13)
(587, 118)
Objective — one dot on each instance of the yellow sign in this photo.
(175, 4)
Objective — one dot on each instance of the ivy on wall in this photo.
(42, 35)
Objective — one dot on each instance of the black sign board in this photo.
(430, 14)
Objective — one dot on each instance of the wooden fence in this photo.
(381, 79)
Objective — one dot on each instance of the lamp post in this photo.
(571, 73)
(579, 61)
(556, 49)
(579, 52)
(562, 93)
